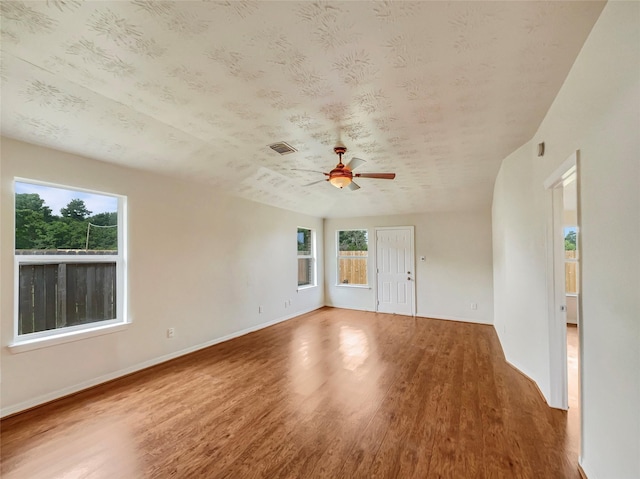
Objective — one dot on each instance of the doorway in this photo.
(563, 259)
(571, 234)
(395, 270)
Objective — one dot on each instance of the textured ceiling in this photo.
(437, 92)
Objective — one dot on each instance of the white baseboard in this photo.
(45, 398)
(459, 320)
(525, 373)
(328, 305)
(429, 316)
(585, 471)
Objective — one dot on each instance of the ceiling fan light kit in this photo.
(342, 175)
(340, 181)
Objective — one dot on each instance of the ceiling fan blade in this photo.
(353, 187)
(310, 171)
(315, 182)
(354, 163)
(381, 176)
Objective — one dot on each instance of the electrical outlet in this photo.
(259, 309)
(171, 333)
(474, 305)
(286, 303)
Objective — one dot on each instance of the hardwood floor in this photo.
(331, 394)
(573, 415)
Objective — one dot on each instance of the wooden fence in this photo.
(571, 272)
(65, 294)
(304, 271)
(353, 270)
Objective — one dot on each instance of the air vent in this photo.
(541, 149)
(282, 148)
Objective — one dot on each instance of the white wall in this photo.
(456, 273)
(199, 261)
(596, 112)
(519, 270)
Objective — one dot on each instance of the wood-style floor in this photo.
(573, 415)
(331, 394)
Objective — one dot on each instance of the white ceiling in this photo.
(437, 92)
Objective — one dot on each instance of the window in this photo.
(571, 255)
(69, 256)
(306, 257)
(353, 253)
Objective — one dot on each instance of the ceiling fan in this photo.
(342, 175)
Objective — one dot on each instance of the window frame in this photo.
(312, 247)
(339, 257)
(39, 339)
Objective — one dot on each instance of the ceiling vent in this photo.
(282, 148)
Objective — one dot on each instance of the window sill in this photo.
(19, 346)
(309, 286)
(360, 286)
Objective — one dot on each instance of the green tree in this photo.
(76, 209)
(32, 217)
(570, 241)
(37, 228)
(30, 227)
(353, 240)
(304, 241)
(104, 219)
(66, 233)
(100, 237)
(33, 202)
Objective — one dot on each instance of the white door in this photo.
(395, 275)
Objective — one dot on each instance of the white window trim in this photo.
(52, 337)
(339, 257)
(306, 286)
(355, 286)
(67, 336)
(312, 257)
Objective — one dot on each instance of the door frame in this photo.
(556, 294)
(412, 289)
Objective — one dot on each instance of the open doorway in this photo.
(571, 234)
(563, 253)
